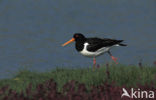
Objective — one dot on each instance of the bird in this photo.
(93, 47)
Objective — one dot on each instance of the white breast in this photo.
(84, 52)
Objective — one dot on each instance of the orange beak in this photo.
(72, 40)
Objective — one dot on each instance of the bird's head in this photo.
(79, 37)
(76, 37)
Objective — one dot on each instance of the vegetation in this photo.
(82, 82)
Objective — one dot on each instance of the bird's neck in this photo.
(79, 45)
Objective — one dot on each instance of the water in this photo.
(31, 32)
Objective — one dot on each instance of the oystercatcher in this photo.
(93, 47)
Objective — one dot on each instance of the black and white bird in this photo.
(93, 47)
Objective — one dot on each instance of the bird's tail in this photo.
(122, 44)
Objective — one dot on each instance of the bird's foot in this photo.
(114, 59)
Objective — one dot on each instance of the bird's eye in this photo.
(76, 36)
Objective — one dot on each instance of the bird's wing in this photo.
(97, 43)
(110, 42)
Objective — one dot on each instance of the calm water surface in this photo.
(31, 32)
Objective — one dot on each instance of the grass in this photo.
(128, 76)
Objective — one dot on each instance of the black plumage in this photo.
(94, 43)
(97, 43)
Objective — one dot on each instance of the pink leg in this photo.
(114, 59)
(94, 63)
